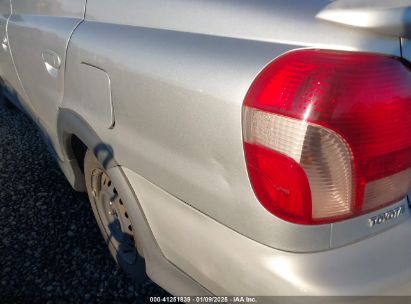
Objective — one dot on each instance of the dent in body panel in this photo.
(226, 262)
(210, 250)
(178, 105)
(178, 85)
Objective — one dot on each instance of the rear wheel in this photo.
(113, 218)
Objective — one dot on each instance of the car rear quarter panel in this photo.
(179, 71)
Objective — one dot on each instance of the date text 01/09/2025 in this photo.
(203, 299)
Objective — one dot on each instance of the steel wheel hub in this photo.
(114, 216)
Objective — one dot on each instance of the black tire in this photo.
(112, 218)
(7, 103)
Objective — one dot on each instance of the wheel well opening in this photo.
(79, 150)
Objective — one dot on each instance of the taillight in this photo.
(327, 135)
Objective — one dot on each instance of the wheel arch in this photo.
(76, 136)
(72, 126)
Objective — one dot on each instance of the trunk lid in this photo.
(386, 17)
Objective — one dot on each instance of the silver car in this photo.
(229, 147)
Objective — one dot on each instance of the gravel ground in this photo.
(50, 247)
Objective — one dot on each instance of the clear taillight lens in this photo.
(327, 134)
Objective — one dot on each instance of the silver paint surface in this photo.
(36, 28)
(177, 72)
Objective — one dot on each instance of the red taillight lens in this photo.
(327, 134)
(287, 185)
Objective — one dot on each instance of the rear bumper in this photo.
(228, 263)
